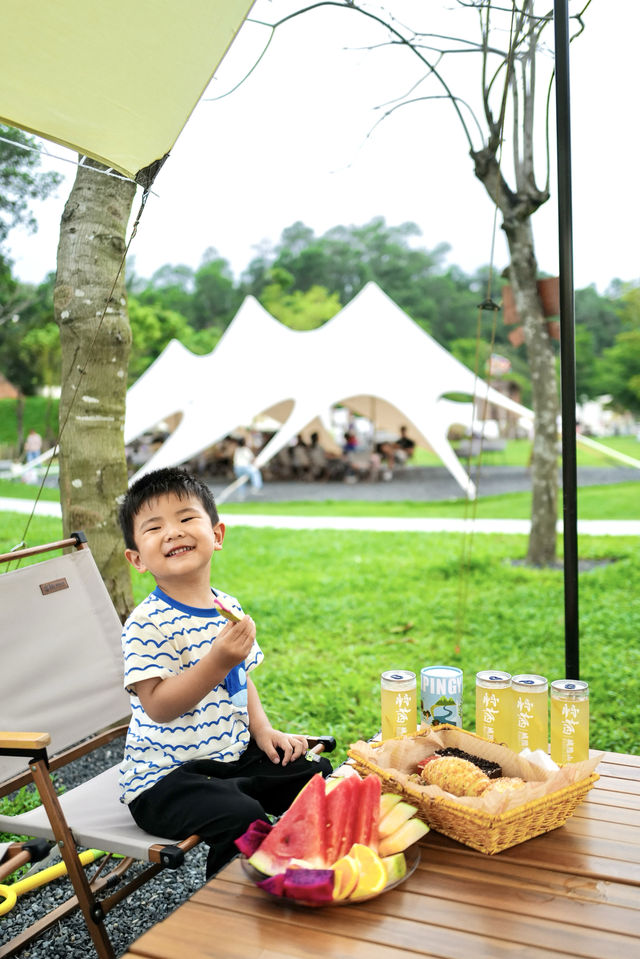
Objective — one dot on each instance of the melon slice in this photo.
(402, 838)
(342, 807)
(395, 866)
(387, 802)
(400, 813)
(300, 833)
(368, 819)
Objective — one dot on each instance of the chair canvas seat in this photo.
(62, 670)
(96, 817)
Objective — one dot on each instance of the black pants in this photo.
(218, 801)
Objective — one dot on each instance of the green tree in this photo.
(599, 315)
(216, 298)
(152, 327)
(24, 315)
(297, 309)
(170, 288)
(619, 369)
(20, 180)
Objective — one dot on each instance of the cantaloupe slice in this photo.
(387, 802)
(402, 838)
(400, 813)
(395, 866)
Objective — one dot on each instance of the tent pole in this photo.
(567, 340)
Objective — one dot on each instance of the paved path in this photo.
(373, 523)
(432, 483)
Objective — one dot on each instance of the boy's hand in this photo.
(233, 643)
(270, 740)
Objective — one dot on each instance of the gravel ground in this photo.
(144, 908)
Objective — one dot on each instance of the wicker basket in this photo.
(486, 832)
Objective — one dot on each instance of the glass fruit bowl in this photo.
(412, 857)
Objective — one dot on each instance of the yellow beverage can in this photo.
(493, 705)
(569, 721)
(530, 698)
(399, 703)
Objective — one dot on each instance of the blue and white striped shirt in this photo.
(160, 638)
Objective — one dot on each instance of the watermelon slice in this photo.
(298, 834)
(368, 812)
(342, 807)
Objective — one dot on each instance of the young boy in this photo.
(201, 755)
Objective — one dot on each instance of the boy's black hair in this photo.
(159, 483)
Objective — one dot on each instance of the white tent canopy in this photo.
(371, 357)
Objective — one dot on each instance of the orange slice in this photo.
(346, 875)
(373, 875)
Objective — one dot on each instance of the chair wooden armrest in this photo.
(10, 739)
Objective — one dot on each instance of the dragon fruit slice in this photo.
(273, 884)
(311, 885)
(253, 838)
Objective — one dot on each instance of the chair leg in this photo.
(91, 908)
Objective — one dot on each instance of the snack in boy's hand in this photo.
(233, 617)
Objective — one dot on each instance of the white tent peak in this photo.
(371, 358)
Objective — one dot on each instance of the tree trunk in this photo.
(93, 473)
(544, 464)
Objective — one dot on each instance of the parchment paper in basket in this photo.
(399, 757)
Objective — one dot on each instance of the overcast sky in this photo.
(297, 142)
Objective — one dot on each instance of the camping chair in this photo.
(62, 673)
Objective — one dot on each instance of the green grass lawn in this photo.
(335, 609)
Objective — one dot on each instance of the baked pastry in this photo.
(504, 785)
(491, 769)
(456, 776)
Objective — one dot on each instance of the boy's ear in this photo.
(218, 535)
(133, 556)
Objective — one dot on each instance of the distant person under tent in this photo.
(244, 465)
(396, 453)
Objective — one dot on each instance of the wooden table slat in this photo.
(602, 860)
(619, 771)
(618, 785)
(608, 813)
(497, 871)
(407, 920)
(609, 797)
(620, 759)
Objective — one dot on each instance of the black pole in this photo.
(567, 341)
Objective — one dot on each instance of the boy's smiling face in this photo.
(175, 539)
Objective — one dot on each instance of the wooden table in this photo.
(572, 892)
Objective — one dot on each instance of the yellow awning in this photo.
(116, 81)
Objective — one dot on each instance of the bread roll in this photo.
(456, 776)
